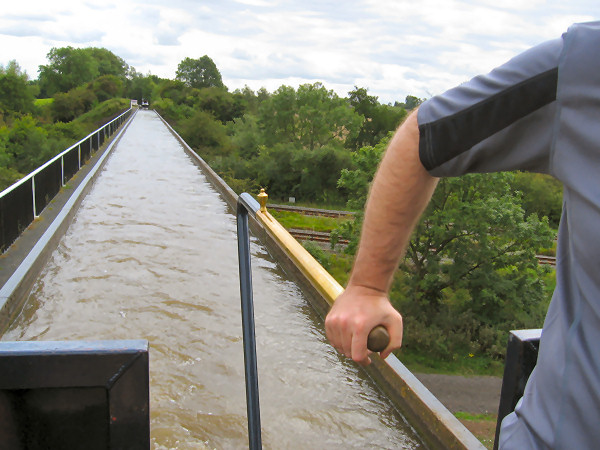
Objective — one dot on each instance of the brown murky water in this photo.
(152, 255)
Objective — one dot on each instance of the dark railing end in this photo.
(248, 202)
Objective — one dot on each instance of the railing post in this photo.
(79, 155)
(62, 170)
(245, 205)
(521, 358)
(33, 196)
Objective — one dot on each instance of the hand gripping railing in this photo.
(246, 204)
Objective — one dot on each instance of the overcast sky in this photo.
(392, 47)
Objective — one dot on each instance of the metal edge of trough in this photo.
(431, 419)
(14, 292)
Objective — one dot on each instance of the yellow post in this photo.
(262, 199)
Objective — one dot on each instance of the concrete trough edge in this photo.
(15, 290)
(431, 419)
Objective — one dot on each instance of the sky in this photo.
(394, 48)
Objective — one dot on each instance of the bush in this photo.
(317, 252)
(72, 104)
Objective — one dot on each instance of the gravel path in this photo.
(475, 395)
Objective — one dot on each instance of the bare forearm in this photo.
(400, 192)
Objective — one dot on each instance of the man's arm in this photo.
(399, 194)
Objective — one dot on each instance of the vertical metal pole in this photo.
(252, 403)
(79, 155)
(33, 196)
(62, 171)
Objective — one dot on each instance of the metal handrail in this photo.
(59, 156)
(246, 204)
(32, 201)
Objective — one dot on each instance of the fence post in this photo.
(33, 196)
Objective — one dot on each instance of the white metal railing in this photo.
(19, 205)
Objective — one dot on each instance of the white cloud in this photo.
(392, 47)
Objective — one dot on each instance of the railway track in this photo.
(309, 235)
(312, 211)
(550, 260)
(321, 236)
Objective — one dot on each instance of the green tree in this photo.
(67, 106)
(379, 119)
(68, 68)
(356, 180)
(312, 117)
(71, 67)
(16, 94)
(324, 118)
(8, 175)
(108, 63)
(199, 73)
(107, 86)
(218, 102)
(470, 270)
(27, 145)
(205, 134)
(411, 102)
(542, 195)
(277, 116)
(140, 87)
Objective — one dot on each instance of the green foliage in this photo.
(311, 117)
(174, 90)
(199, 73)
(205, 134)
(410, 103)
(379, 119)
(249, 100)
(106, 87)
(71, 67)
(470, 272)
(67, 106)
(358, 179)
(27, 144)
(317, 252)
(240, 185)
(101, 114)
(245, 136)
(16, 96)
(171, 111)
(141, 87)
(217, 101)
(542, 195)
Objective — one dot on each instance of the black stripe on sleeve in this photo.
(444, 139)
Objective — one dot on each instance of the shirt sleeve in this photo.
(495, 122)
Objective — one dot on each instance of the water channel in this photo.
(151, 254)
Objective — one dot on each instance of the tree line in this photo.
(470, 273)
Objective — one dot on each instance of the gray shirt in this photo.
(541, 112)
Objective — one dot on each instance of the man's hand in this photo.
(354, 314)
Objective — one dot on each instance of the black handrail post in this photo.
(521, 357)
(246, 204)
